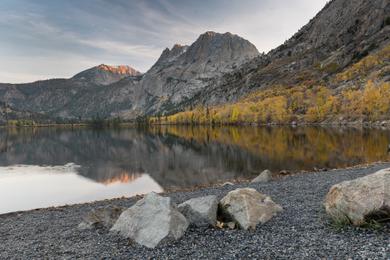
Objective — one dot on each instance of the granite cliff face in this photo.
(180, 73)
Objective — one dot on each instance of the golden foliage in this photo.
(365, 65)
(285, 104)
(281, 104)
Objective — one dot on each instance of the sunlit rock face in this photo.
(106, 75)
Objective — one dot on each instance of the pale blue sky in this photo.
(42, 39)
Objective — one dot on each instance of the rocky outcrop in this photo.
(201, 212)
(151, 220)
(247, 208)
(103, 217)
(361, 199)
(265, 176)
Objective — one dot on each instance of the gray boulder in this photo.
(151, 220)
(200, 211)
(265, 176)
(103, 217)
(247, 208)
(360, 199)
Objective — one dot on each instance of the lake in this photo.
(42, 167)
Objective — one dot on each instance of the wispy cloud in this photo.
(64, 37)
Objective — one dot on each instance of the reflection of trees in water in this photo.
(188, 156)
(295, 148)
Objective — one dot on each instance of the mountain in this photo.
(344, 46)
(64, 98)
(178, 75)
(335, 70)
(340, 35)
(106, 75)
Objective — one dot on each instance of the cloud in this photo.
(123, 48)
(72, 34)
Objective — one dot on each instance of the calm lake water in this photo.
(42, 167)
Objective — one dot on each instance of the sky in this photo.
(41, 39)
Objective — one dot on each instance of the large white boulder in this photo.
(247, 207)
(355, 201)
(200, 211)
(151, 220)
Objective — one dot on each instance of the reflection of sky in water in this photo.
(29, 187)
(113, 161)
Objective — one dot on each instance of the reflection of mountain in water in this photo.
(179, 157)
(123, 177)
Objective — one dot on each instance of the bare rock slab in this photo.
(265, 176)
(151, 220)
(201, 212)
(360, 199)
(248, 207)
(103, 217)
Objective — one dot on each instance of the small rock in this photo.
(151, 220)
(103, 217)
(360, 199)
(247, 208)
(284, 172)
(200, 211)
(227, 184)
(219, 224)
(265, 176)
(231, 225)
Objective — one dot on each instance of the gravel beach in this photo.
(301, 231)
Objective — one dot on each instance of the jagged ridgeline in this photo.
(106, 92)
(336, 66)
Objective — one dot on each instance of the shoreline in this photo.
(301, 231)
(242, 181)
(385, 124)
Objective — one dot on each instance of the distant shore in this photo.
(301, 231)
(353, 124)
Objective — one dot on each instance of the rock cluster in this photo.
(154, 218)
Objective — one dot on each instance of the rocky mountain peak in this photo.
(212, 46)
(169, 55)
(104, 74)
(120, 69)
